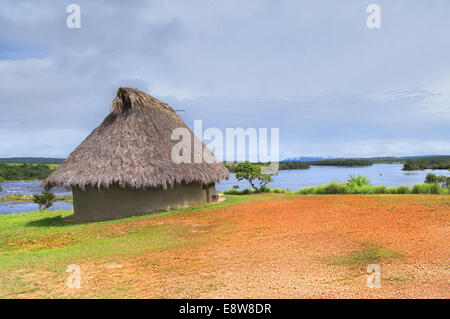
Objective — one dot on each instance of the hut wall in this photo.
(208, 192)
(94, 204)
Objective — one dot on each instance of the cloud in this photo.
(313, 69)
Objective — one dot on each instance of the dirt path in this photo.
(284, 248)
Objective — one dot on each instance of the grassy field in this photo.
(267, 245)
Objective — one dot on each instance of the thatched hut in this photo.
(125, 168)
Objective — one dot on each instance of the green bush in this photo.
(335, 188)
(365, 189)
(359, 185)
(332, 188)
(238, 192)
(381, 189)
(421, 189)
(247, 191)
(437, 189)
(429, 189)
(305, 191)
(320, 190)
(400, 190)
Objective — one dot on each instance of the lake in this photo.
(379, 174)
(29, 188)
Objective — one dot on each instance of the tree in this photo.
(444, 181)
(45, 199)
(354, 182)
(252, 174)
(431, 178)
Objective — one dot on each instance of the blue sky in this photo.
(310, 68)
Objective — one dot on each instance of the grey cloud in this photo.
(312, 69)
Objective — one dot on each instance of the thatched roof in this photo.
(132, 148)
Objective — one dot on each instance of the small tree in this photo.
(431, 178)
(444, 181)
(252, 174)
(45, 199)
(355, 182)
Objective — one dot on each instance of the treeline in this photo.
(293, 165)
(305, 165)
(31, 160)
(342, 162)
(282, 165)
(417, 164)
(386, 160)
(19, 172)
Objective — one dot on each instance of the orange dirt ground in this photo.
(279, 247)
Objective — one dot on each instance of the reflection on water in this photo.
(386, 174)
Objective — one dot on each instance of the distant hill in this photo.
(307, 159)
(375, 160)
(425, 156)
(32, 160)
(421, 163)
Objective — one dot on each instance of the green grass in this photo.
(29, 198)
(397, 278)
(50, 237)
(49, 241)
(366, 255)
(336, 188)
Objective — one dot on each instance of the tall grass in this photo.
(400, 190)
(336, 188)
(429, 189)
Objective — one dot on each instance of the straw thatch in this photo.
(132, 149)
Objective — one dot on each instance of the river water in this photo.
(379, 174)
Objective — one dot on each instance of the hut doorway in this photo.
(209, 191)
